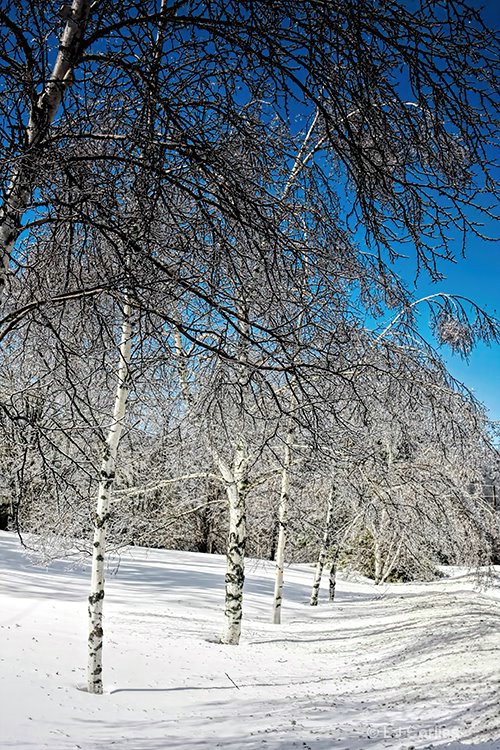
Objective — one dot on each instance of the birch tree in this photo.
(417, 482)
(106, 483)
(235, 449)
(325, 549)
(282, 526)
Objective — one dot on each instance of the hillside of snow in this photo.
(398, 666)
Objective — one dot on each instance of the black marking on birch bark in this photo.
(96, 633)
(109, 476)
(99, 521)
(235, 614)
(97, 597)
(235, 547)
(233, 609)
(233, 597)
(236, 575)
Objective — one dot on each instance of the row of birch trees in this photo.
(202, 208)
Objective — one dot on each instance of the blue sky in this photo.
(477, 276)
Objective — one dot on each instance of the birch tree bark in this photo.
(235, 477)
(106, 482)
(182, 369)
(282, 521)
(332, 581)
(325, 546)
(377, 559)
(43, 112)
(391, 560)
(386, 553)
(237, 489)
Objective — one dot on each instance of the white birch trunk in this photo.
(391, 561)
(236, 480)
(106, 481)
(41, 117)
(377, 560)
(182, 369)
(332, 580)
(237, 487)
(282, 522)
(379, 537)
(323, 552)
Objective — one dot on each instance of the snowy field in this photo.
(394, 667)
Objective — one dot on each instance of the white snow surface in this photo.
(399, 666)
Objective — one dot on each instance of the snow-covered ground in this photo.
(392, 667)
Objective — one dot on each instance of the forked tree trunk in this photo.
(237, 488)
(235, 477)
(106, 481)
(237, 485)
(323, 552)
(282, 521)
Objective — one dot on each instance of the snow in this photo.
(394, 667)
